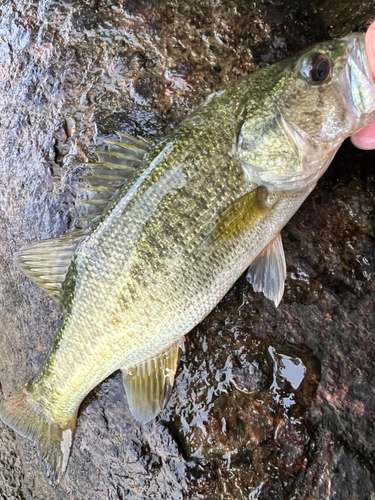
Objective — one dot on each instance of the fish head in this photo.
(313, 102)
(335, 92)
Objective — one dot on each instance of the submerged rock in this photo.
(268, 403)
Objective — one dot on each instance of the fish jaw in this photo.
(370, 48)
(365, 138)
(360, 81)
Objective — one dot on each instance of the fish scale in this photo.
(186, 218)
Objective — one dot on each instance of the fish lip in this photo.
(370, 48)
(358, 53)
(357, 58)
(365, 60)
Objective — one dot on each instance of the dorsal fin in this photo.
(47, 262)
(112, 170)
(149, 385)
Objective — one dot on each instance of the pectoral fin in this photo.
(267, 272)
(241, 214)
(149, 385)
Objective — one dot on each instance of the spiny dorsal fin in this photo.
(112, 170)
(149, 385)
(47, 262)
(138, 141)
(267, 272)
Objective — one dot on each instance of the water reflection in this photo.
(285, 370)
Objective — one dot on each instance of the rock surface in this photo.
(268, 404)
(340, 18)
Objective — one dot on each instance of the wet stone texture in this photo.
(268, 404)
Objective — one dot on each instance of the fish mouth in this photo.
(360, 77)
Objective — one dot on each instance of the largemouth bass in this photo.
(172, 226)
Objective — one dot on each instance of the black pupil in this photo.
(320, 70)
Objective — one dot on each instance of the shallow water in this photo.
(268, 404)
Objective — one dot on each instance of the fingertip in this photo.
(365, 138)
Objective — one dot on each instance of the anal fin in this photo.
(267, 272)
(149, 385)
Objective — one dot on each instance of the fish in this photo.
(171, 226)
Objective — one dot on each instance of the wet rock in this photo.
(247, 375)
(341, 17)
(247, 421)
(268, 404)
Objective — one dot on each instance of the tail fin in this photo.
(53, 440)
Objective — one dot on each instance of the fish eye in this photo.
(319, 69)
